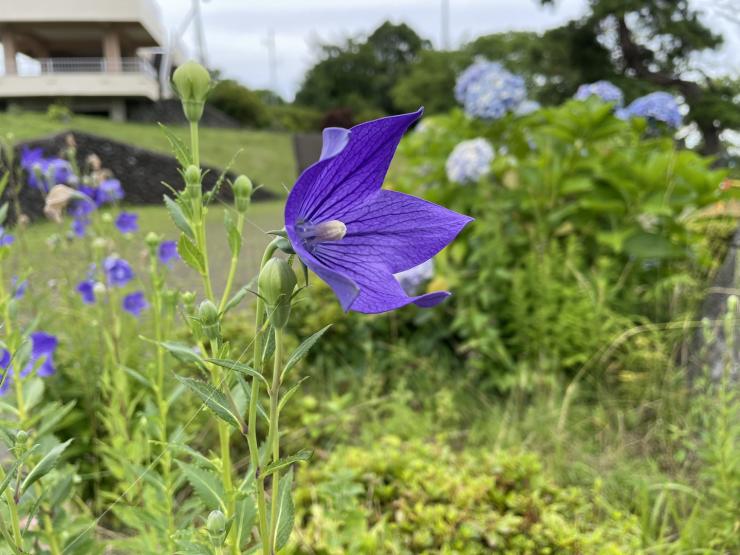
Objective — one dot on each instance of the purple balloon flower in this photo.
(167, 252)
(117, 271)
(5, 238)
(6, 376)
(110, 190)
(353, 234)
(86, 289)
(135, 303)
(44, 173)
(127, 222)
(43, 346)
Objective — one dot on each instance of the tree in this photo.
(360, 74)
(240, 103)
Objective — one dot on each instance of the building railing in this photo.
(31, 67)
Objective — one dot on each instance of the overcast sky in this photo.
(236, 30)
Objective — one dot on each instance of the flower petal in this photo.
(333, 186)
(394, 230)
(334, 139)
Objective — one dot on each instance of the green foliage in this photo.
(240, 103)
(422, 497)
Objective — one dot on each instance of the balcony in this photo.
(80, 77)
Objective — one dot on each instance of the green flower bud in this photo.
(216, 524)
(276, 283)
(193, 182)
(242, 193)
(99, 288)
(209, 320)
(192, 83)
(106, 217)
(152, 240)
(21, 437)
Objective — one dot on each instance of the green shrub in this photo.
(289, 117)
(240, 103)
(422, 497)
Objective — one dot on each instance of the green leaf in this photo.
(649, 245)
(206, 484)
(269, 345)
(236, 299)
(290, 393)
(302, 350)
(10, 472)
(190, 254)
(178, 217)
(4, 207)
(247, 516)
(302, 455)
(45, 465)
(232, 232)
(181, 352)
(238, 367)
(286, 512)
(248, 395)
(180, 150)
(213, 399)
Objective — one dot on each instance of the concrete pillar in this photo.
(118, 109)
(9, 52)
(112, 50)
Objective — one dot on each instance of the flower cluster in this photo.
(469, 161)
(657, 106)
(527, 107)
(44, 173)
(488, 90)
(117, 273)
(43, 346)
(606, 91)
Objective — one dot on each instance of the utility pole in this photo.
(200, 39)
(445, 25)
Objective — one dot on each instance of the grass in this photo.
(266, 156)
(44, 264)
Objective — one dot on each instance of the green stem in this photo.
(274, 434)
(232, 266)
(252, 415)
(14, 519)
(194, 143)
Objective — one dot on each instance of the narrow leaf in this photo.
(213, 399)
(182, 153)
(238, 367)
(286, 512)
(303, 349)
(290, 393)
(206, 484)
(178, 217)
(190, 254)
(45, 465)
(236, 299)
(302, 455)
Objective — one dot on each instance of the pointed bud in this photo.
(209, 320)
(276, 283)
(242, 193)
(216, 524)
(193, 182)
(192, 83)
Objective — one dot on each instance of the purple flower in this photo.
(135, 303)
(604, 90)
(659, 106)
(167, 252)
(5, 238)
(117, 271)
(44, 173)
(43, 346)
(412, 279)
(127, 222)
(353, 234)
(488, 90)
(6, 376)
(19, 287)
(86, 289)
(79, 226)
(110, 190)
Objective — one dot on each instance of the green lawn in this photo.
(68, 259)
(267, 156)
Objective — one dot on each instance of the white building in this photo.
(96, 56)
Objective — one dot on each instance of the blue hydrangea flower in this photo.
(469, 161)
(118, 272)
(658, 106)
(355, 235)
(167, 252)
(86, 289)
(127, 222)
(412, 279)
(488, 90)
(6, 239)
(135, 303)
(527, 107)
(606, 91)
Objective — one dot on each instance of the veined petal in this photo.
(333, 186)
(395, 230)
(334, 139)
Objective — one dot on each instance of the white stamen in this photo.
(333, 230)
